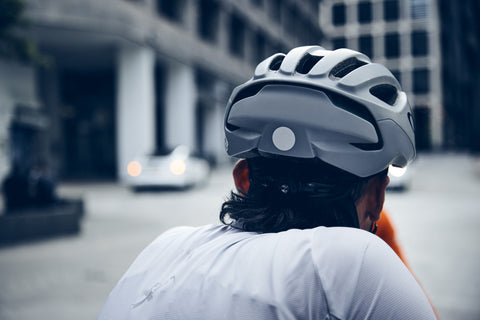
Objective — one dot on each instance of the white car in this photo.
(400, 178)
(178, 169)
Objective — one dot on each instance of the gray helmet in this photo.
(337, 106)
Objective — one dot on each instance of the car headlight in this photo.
(396, 171)
(134, 168)
(178, 167)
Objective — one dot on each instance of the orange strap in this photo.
(386, 232)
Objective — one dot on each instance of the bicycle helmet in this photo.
(336, 106)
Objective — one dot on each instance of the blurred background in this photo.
(111, 132)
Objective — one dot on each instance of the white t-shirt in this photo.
(218, 272)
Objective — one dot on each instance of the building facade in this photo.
(127, 77)
(460, 29)
(404, 35)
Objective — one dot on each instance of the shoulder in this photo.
(339, 250)
(344, 246)
(344, 238)
(168, 245)
(177, 234)
(363, 277)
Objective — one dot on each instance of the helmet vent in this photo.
(276, 62)
(345, 67)
(306, 63)
(231, 127)
(361, 111)
(411, 120)
(385, 92)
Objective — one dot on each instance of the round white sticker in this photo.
(283, 138)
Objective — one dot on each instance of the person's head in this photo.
(318, 130)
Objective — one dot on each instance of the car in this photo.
(177, 168)
(400, 178)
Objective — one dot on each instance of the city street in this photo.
(438, 223)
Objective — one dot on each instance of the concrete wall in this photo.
(135, 104)
(180, 103)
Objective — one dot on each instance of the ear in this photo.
(240, 176)
(370, 205)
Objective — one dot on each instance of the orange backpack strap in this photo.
(386, 232)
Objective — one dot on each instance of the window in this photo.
(305, 32)
(172, 10)
(418, 9)
(397, 75)
(339, 16)
(291, 20)
(364, 12)
(208, 20)
(314, 5)
(391, 10)
(275, 10)
(419, 43)
(421, 81)
(339, 43)
(392, 45)
(236, 36)
(260, 48)
(257, 3)
(365, 45)
(422, 120)
(310, 34)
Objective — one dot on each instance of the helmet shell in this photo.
(336, 106)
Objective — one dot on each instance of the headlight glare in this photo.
(396, 171)
(134, 168)
(178, 167)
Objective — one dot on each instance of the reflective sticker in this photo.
(283, 138)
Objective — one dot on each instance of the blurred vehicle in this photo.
(400, 178)
(177, 168)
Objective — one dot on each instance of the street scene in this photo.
(119, 120)
(70, 277)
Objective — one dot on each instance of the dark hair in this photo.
(286, 194)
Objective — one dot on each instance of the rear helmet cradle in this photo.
(336, 106)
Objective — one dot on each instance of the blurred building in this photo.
(128, 77)
(460, 29)
(404, 35)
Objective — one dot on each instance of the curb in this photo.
(60, 218)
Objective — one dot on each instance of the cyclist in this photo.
(318, 130)
(386, 229)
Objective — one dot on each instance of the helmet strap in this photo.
(373, 228)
